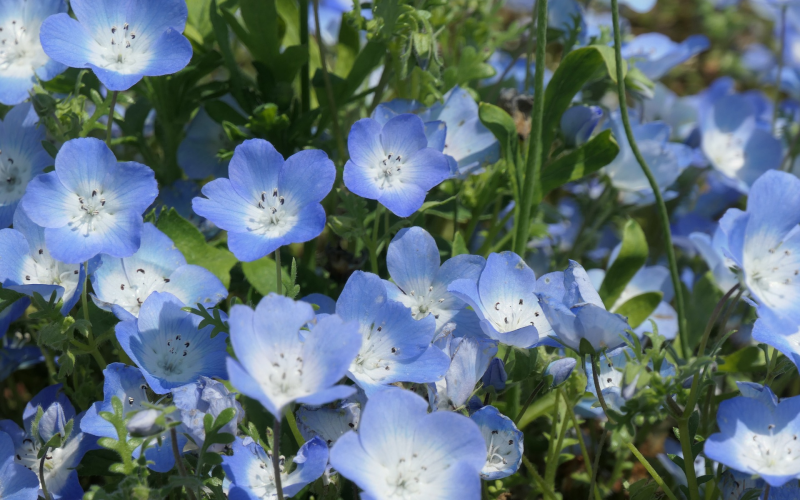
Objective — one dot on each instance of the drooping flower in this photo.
(60, 476)
(28, 267)
(395, 346)
(421, 284)
(127, 383)
(393, 164)
(252, 474)
(654, 54)
(121, 41)
(90, 204)
(575, 311)
(16, 481)
(504, 299)
(758, 435)
(206, 397)
(401, 451)
(167, 344)
(268, 202)
(495, 376)
(469, 360)
(278, 363)
(123, 285)
(22, 60)
(328, 423)
(504, 443)
(22, 156)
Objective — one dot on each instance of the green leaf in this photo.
(632, 256)
(8, 297)
(640, 307)
(524, 364)
(502, 126)
(51, 148)
(471, 66)
(747, 360)
(261, 18)
(366, 61)
(459, 245)
(587, 159)
(389, 11)
(263, 276)
(576, 70)
(704, 297)
(190, 241)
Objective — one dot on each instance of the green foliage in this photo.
(639, 308)
(583, 161)
(632, 256)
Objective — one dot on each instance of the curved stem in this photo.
(597, 389)
(538, 479)
(597, 463)
(652, 471)
(276, 455)
(660, 206)
(778, 78)
(111, 116)
(337, 132)
(529, 401)
(279, 284)
(41, 475)
(178, 460)
(530, 191)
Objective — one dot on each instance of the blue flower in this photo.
(611, 376)
(16, 481)
(560, 370)
(278, 363)
(736, 143)
(179, 196)
(325, 304)
(402, 451)
(575, 311)
(252, 475)
(28, 267)
(654, 54)
(504, 299)
(328, 423)
(395, 346)
(60, 476)
(711, 249)
(123, 285)
(513, 70)
(168, 345)
(22, 157)
(757, 435)
(22, 60)
(206, 397)
(504, 443)
(393, 164)
(127, 383)
(197, 154)
(469, 360)
(268, 202)
(15, 355)
(420, 283)
(578, 123)
(90, 204)
(121, 41)
(495, 376)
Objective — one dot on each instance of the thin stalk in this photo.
(41, 474)
(587, 462)
(337, 132)
(293, 426)
(111, 116)
(93, 350)
(373, 242)
(528, 402)
(552, 465)
(597, 389)
(596, 465)
(688, 461)
(178, 460)
(766, 488)
(538, 479)
(778, 79)
(531, 190)
(652, 471)
(660, 206)
(276, 441)
(305, 78)
(529, 51)
(279, 285)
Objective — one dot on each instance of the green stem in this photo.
(41, 474)
(782, 45)
(528, 402)
(652, 471)
(597, 388)
(276, 440)
(293, 426)
(596, 465)
(538, 479)
(337, 132)
(279, 285)
(587, 462)
(372, 244)
(530, 192)
(179, 461)
(111, 116)
(93, 350)
(660, 206)
(688, 458)
(552, 464)
(305, 80)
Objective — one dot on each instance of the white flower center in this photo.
(773, 275)
(388, 171)
(41, 269)
(121, 48)
(773, 453)
(500, 446)
(171, 357)
(725, 150)
(422, 305)
(375, 352)
(91, 211)
(20, 50)
(262, 477)
(511, 316)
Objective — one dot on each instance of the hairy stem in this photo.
(41, 475)
(276, 446)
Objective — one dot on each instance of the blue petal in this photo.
(306, 177)
(503, 438)
(413, 260)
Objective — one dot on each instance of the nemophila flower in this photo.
(328, 423)
(278, 363)
(127, 383)
(60, 476)
(27, 266)
(206, 397)
(420, 283)
(611, 376)
(395, 347)
(199, 149)
(654, 54)
(16, 481)
(560, 370)
(736, 144)
(121, 41)
(673, 447)
(495, 375)
(758, 435)
(252, 475)
(90, 204)
(22, 156)
(393, 164)
(666, 160)
(504, 446)
(167, 344)
(401, 451)
(268, 202)
(578, 123)
(22, 60)
(504, 299)
(469, 360)
(575, 311)
(325, 304)
(123, 285)
(680, 113)
(711, 249)
(16, 354)
(179, 196)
